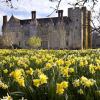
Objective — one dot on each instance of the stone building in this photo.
(62, 32)
(96, 38)
(1, 42)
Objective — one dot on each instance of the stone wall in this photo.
(73, 32)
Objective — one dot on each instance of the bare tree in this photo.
(7, 2)
(78, 2)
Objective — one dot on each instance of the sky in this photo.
(22, 9)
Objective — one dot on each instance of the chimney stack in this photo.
(60, 14)
(33, 15)
(4, 20)
(4, 23)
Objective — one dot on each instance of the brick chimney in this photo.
(60, 14)
(33, 13)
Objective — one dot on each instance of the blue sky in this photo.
(23, 9)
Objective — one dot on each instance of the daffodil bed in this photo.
(50, 74)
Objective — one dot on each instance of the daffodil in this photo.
(43, 78)
(30, 71)
(48, 65)
(64, 84)
(8, 97)
(60, 62)
(18, 76)
(61, 87)
(3, 85)
(64, 71)
(71, 70)
(36, 82)
(76, 83)
(92, 69)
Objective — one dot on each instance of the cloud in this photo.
(23, 9)
(43, 8)
(26, 6)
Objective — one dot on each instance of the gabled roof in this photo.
(12, 18)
